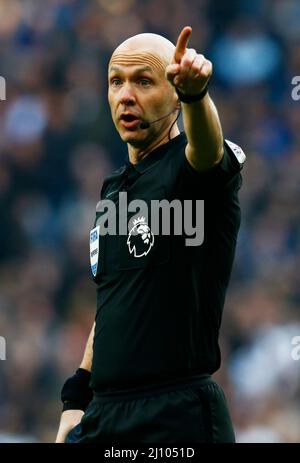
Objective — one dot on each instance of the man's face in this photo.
(138, 90)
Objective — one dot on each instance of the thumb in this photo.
(171, 71)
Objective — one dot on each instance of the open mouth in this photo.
(130, 121)
(128, 117)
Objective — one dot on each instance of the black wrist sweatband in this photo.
(192, 98)
(76, 393)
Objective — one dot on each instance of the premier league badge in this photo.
(94, 249)
(140, 239)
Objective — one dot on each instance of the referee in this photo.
(146, 372)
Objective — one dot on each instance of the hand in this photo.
(69, 419)
(189, 71)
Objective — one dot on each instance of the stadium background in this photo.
(57, 143)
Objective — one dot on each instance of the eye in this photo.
(115, 81)
(145, 82)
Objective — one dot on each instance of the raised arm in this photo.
(189, 73)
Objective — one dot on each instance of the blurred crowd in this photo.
(57, 144)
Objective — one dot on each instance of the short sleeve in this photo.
(235, 158)
(220, 175)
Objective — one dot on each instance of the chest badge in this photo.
(94, 249)
(140, 239)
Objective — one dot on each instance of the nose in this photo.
(127, 96)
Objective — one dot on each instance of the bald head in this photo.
(151, 49)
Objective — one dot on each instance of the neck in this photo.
(136, 154)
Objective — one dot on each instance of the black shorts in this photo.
(193, 411)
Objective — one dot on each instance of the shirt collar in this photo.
(155, 155)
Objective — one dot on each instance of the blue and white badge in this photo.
(94, 249)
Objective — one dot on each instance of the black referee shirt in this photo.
(159, 314)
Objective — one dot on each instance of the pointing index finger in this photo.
(182, 42)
